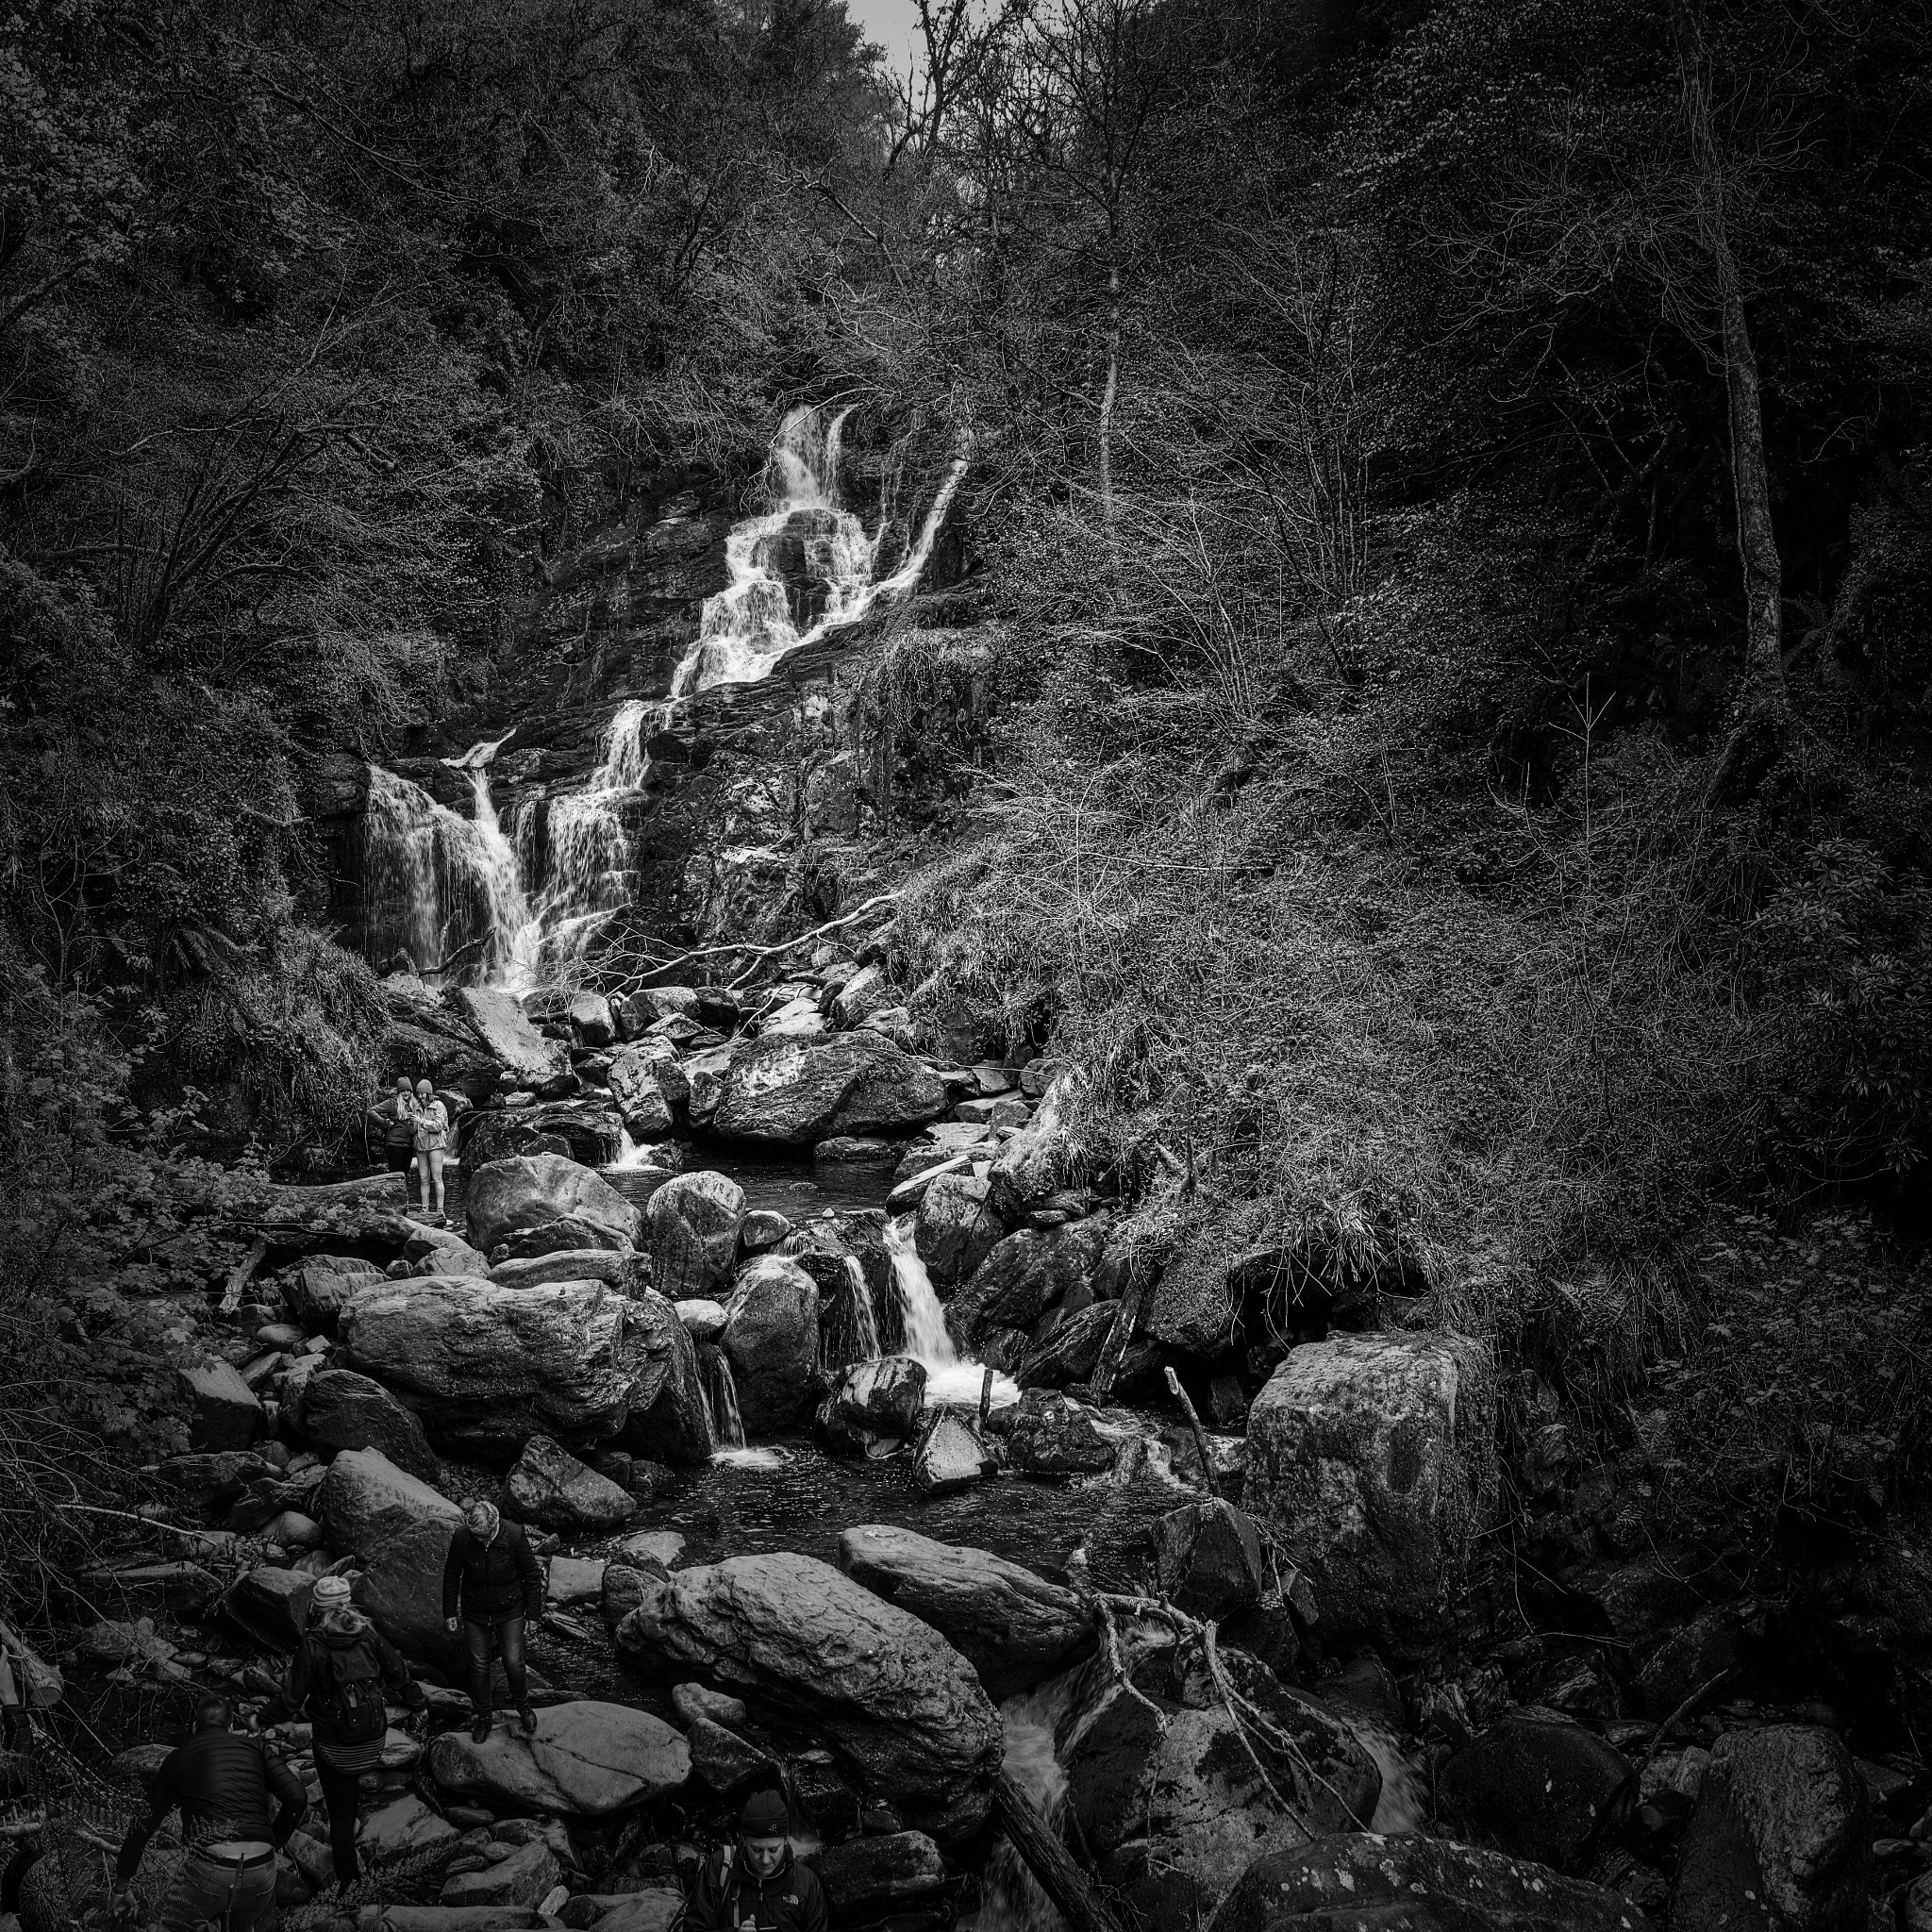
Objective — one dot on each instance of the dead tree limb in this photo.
(1048, 1860)
(1185, 1401)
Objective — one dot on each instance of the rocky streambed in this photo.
(868, 1479)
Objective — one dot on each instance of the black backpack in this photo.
(354, 1699)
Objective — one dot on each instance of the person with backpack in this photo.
(758, 1882)
(227, 1787)
(339, 1678)
(492, 1592)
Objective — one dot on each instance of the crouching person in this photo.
(339, 1680)
(758, 1882)
(226, 1785)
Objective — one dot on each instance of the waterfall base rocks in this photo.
(887, 1692)
(770, 1339)
(504, 1198)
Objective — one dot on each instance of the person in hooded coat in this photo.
(338, 1679)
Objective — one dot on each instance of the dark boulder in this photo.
(1534, 1788)
(341, 1410)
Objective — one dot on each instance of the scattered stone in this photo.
(402, 1826)
(1209, 1558)
(504, 1198)
(1028, 1272)
(661, 1546)
(226, 1414)
(770, 1339)
(399, 1529)
(1014, 1627)
(1782, 1821)
(550, 1487)
(668, 1419)
(441, 1250)
(575, 1580)
(1371, 1458)
(866, 1876)
(321, 1287)
(957, 1228)
(1535, 1789)
(488, 1367)
(521, 1879)
(722, 1758)
(793, 1090)
(341, 1409)
(693, 1222)
(1051, 1434)
(1417, 1884)
(694, 1701)
(499, 1020)
(949, 1455)
(586, 1760)
(1071, 1351)
(884, 1394)
(881, 1688)
(583, 1132)
(271, 1605)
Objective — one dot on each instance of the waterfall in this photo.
(719, 1391)
(949, 1375)
(587, 874)
(1010, 1897)
(436, 884)
(750, 624)
(865, 1316)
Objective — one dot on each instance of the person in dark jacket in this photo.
(493, 1592)
(757, 1882)
(337, 1680)
(225, 1786)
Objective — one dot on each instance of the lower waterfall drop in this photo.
(865, 1316)
(949, 1375)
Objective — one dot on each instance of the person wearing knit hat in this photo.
(758, 1883)
(340, 1676)
(493, 1595)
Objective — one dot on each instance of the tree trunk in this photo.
(1048, 1860)
(1109, 393)
(1764, 672)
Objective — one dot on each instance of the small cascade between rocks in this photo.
(950, 1377)
(719, 1387)
(1404, 1805)
(865, 1316)
(1010, 1897)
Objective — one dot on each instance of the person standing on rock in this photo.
(493, 1592)
(338, 1679)
(432, 1143)
(396, 1117)
(227, 1787)
(757, 1882)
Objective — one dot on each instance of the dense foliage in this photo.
(1452, 478)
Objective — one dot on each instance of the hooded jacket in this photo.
(311, 1673)
(728, 1896)
(493, 1580)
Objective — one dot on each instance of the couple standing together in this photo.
(415, 1129)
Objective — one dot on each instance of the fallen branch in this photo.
(243, 1273)
(635, 983)
(1048, 1860)
(1201, 1448)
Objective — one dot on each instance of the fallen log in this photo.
(1048, 1860)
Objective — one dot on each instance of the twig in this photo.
(1180, 1394)
(1678, 1717)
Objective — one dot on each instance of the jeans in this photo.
(339, 1800)
(206, 1889)
(507, 1633)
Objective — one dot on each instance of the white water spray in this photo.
(949, 1375)
(865, 1316)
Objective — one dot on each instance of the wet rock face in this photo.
(1175, 1815)
(489, 1366)
(550, 1487)
(668, 1420)
(770, 1339)
(1418, 1884)
(1050, 1434)
(693, 1226)
(873, 1407)
(957, 1228)
(1371, 1458)
(592, 1134)
(504, 1198)
(1782, 1822)
(1029, 1273)
(790, 1090)
(341, 1410)
(1535, 1789)
(1015, 1628)
(399, 1528)
(499, 1021)
(885, 1691)
(323, 1284)
(585, 1759)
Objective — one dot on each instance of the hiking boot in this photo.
(529, 1718)
(479, 1731)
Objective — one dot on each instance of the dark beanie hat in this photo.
(765, 1815)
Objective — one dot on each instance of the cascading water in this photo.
(443, 888)
(804, 543)
(949, 1375)
(865, 1316)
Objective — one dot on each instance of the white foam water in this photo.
(950, 1377)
